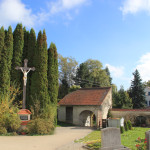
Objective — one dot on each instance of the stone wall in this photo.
(131, 115)
(106, 105)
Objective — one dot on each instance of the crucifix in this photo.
(25, 71)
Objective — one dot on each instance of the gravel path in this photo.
(63, 139)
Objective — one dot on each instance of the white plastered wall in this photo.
(62, 113)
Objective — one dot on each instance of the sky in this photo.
(115, 32)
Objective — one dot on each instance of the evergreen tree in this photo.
(53, 73)
(137, 91)
(3, 65)
(18, 44)
(26, 43)
(6, 58)
(39, 82)
(121, 99)
(2, 39)
(30, 56)
(9, 47)
(108, 74)
(63, 88)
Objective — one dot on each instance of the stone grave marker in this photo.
(111, 139)
(147, 136)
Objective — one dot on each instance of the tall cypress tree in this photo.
(39, 83)
(53, 73)
(137, 91)
(2, 38)
(26, 45)
(9, 47)
(108, 74)
(30, 56)
(18, 44)
(6, 58)
(2, 59)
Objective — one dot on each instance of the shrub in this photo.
(121, 129)
(129, 124)
(43, 119)
(3, 130)
(9, 119)
(40, 126)
(126, 126)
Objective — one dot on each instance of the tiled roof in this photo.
(24, 111)
(117, 109)
(87, 96)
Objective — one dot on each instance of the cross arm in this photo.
(17, 68)
(33, 68)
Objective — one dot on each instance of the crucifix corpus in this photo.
(25, 71)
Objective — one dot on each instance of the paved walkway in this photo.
(63, 139)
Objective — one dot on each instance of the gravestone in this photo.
(111, 139)
(147, 136)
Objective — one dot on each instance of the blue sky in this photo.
(117, 33)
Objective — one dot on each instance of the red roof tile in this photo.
(117, 109)
(24, 111)
(88, 96)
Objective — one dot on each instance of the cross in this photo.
(25, 71)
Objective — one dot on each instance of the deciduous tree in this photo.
(91, 74)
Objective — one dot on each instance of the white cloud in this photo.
(144, 67)
(14, 11)
(116, 72)
(62, 5)
(134, 6)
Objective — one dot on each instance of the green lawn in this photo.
(128, 138)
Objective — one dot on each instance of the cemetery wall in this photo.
(131, 114)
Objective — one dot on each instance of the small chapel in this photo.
(86, 106)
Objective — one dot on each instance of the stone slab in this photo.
(110, 137)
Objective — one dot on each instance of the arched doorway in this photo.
(87, 118)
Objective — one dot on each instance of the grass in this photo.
(128, 138)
